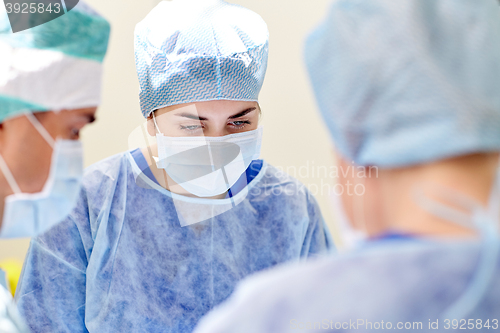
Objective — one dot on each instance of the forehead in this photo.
(209, 108)
(79, 115)
(66, 114)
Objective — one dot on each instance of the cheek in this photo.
(348, 206)
(57, 127)
(151, 127)
(255, 121)
(33, 165)
(32, 146)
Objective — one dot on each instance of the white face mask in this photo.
(207, 166)
(31, 214)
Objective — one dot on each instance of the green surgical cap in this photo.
(53, 66)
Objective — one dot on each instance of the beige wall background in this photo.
(294, 136)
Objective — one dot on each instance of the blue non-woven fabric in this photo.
(398, 82)
(121, 261)
(251, 172)
(384, 286)
(143, 164)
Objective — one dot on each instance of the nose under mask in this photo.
(207, 166)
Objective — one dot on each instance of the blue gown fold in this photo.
(121, 262)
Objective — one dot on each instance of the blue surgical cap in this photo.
(407, 82)
(199, 50)
(53, 66)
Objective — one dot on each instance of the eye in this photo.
(75, 133)
(239, 123)
(191, 128)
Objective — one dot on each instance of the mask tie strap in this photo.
(494, 202)
(443, 211)
(156, 124)
(481, 278)
(483, 222)
(9, 177)
(39, 127)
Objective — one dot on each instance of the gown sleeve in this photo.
(52, 287)
(318, 239)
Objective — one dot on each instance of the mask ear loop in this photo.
(39, 127)
(494, 202)
(443, 211)
(164, 173)
(9, 177)
(156, 124)
(3, 165)
(487, 223)
(482, 277)
(482, 221)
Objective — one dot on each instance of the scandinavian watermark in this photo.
(327, 179)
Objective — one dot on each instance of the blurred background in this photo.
(294, 137)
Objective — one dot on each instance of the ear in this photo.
(259, 108)
(151, 125)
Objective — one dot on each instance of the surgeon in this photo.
(410, 87)
(50, 82)
(161, 235)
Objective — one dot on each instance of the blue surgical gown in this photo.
(387, 285)
(121, 262)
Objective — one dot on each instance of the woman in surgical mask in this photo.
(161, 235)
(204, 148)
(41, 157)
(409, 90)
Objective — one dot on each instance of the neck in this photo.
(470, 176)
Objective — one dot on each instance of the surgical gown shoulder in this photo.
(110, 169)
(413, 282)
(115, 177)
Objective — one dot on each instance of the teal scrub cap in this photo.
(53, 66)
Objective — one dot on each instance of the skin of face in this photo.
(389, 205)
(209, 119)
(27, 154)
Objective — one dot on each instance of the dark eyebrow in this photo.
(191, 116)
(91, 119)
(243, 113)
